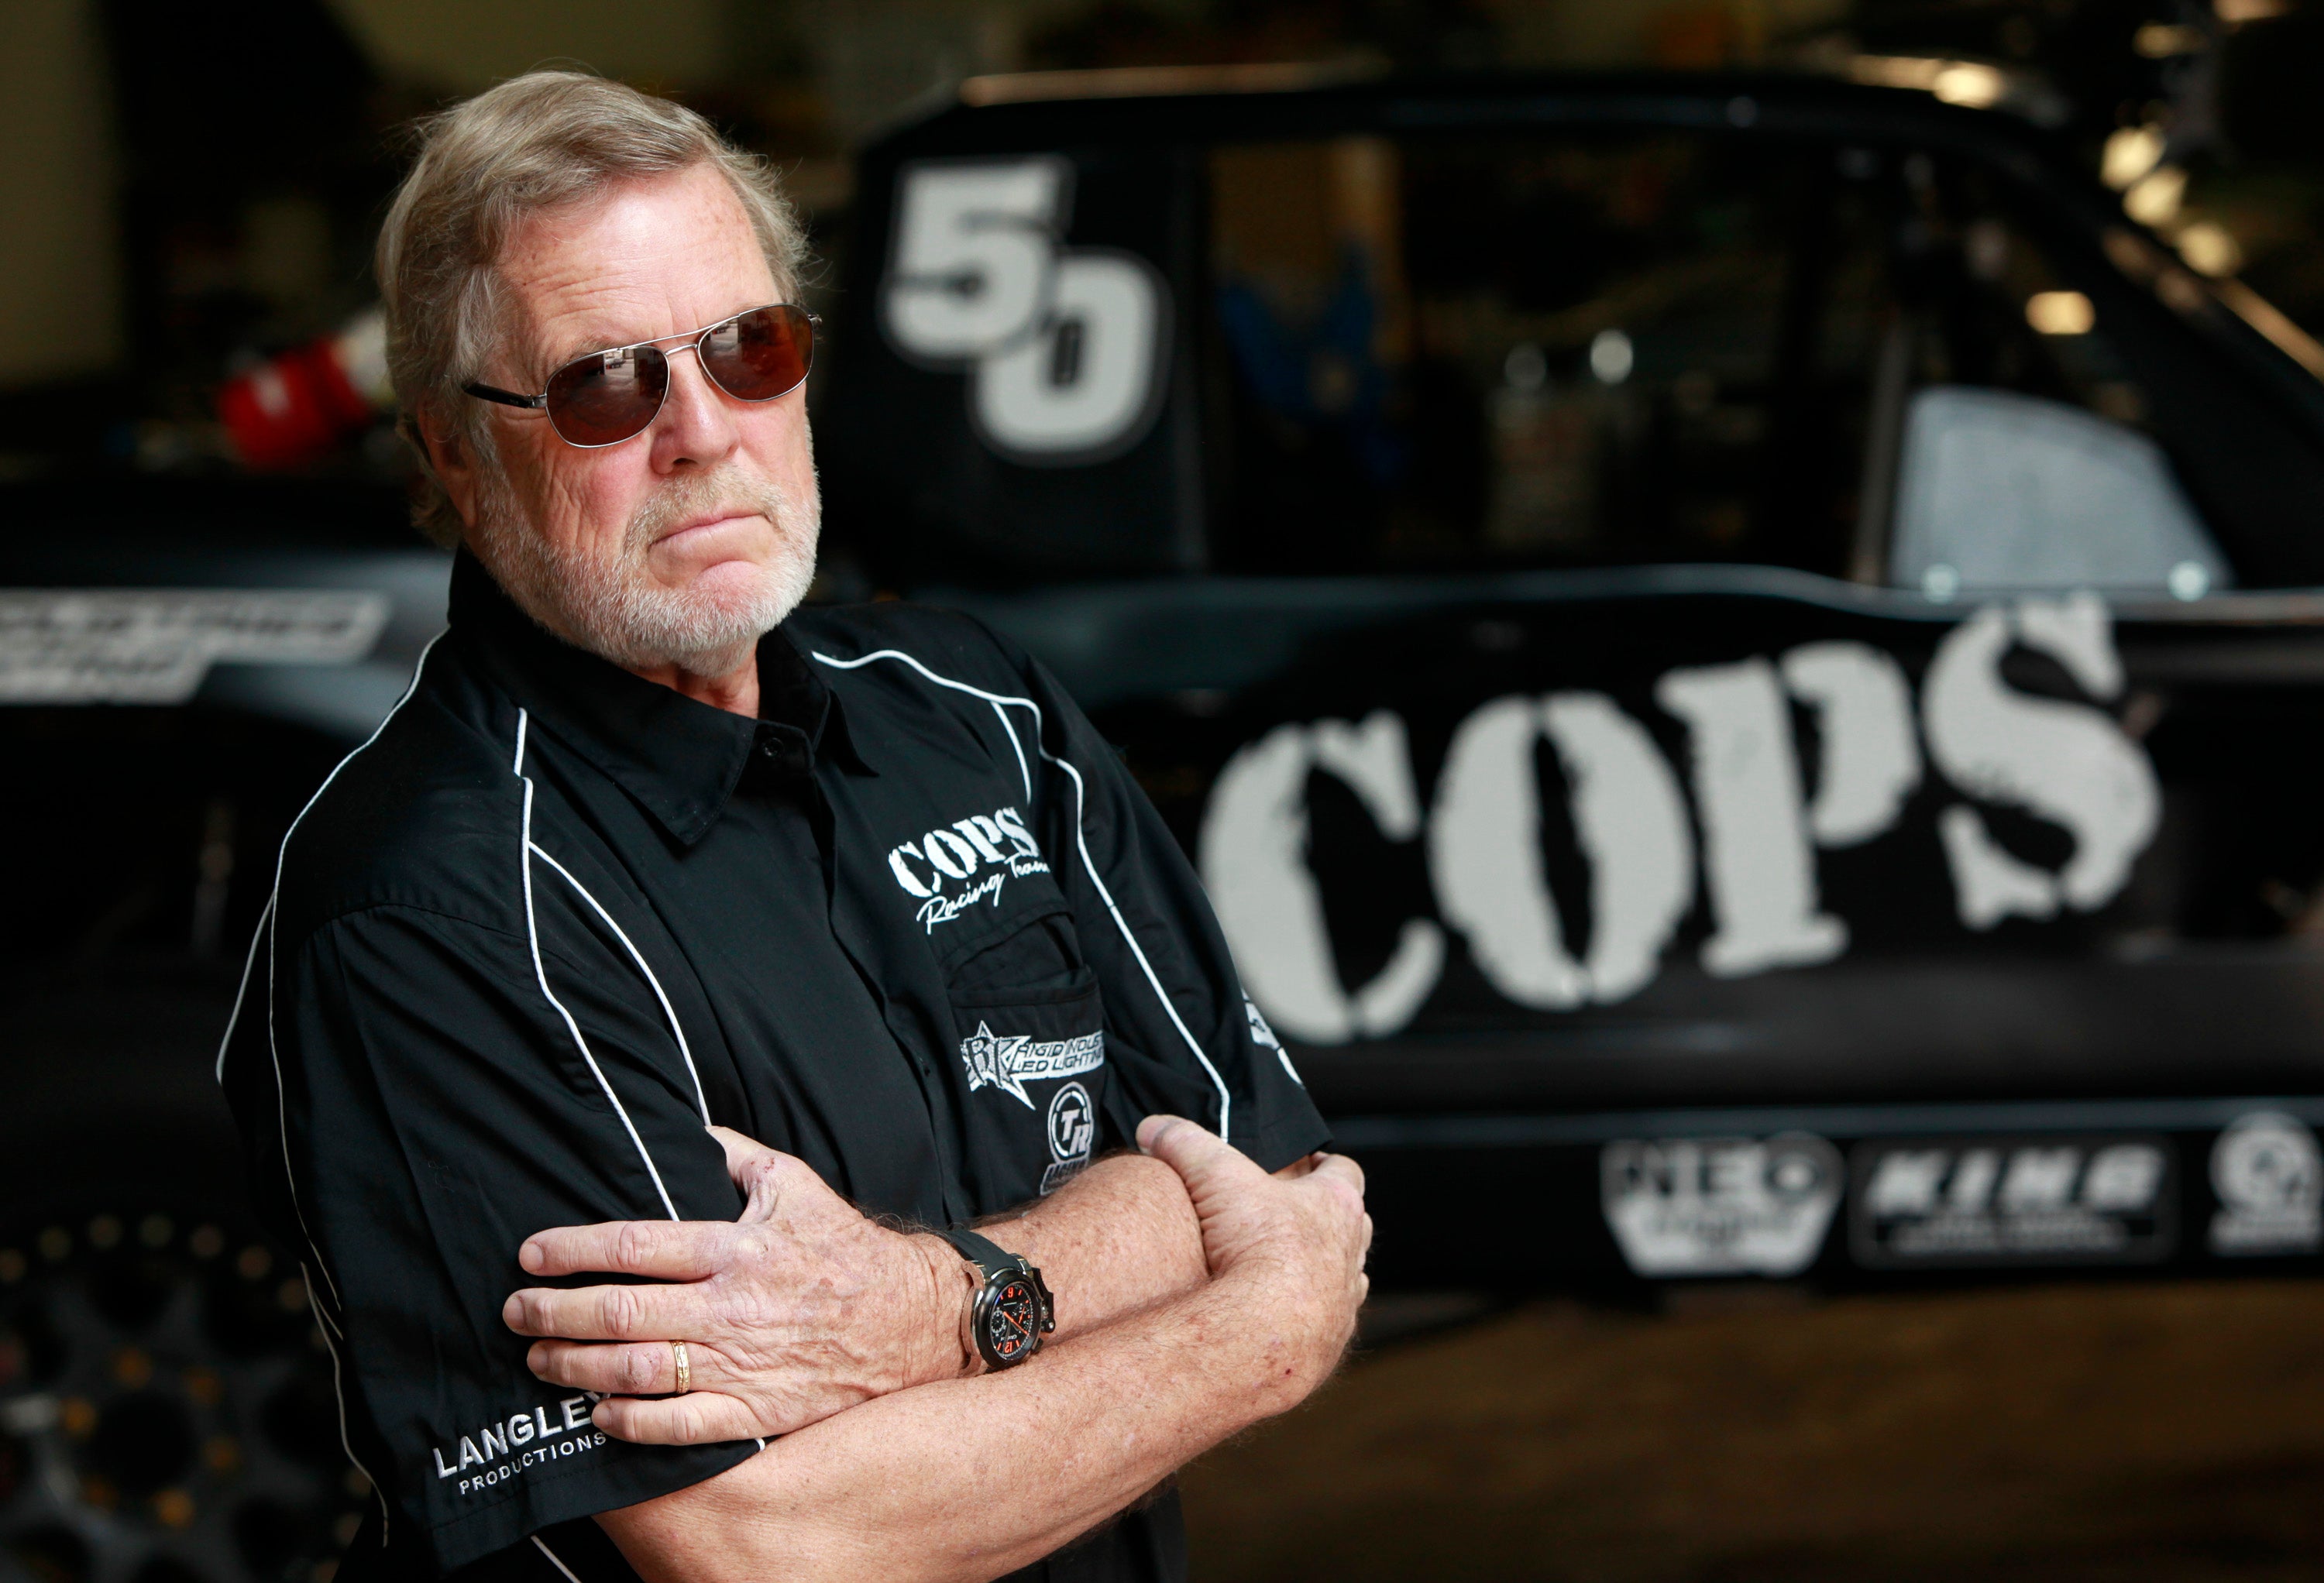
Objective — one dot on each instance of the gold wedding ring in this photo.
(685, 1375)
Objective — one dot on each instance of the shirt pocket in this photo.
(1031, 1029)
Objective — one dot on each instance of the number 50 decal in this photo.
(1064, 347)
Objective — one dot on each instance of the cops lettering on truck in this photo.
(2065, 761)
(2068, 762)
(1864, 716)
(1252, 853)
(1755, 836)
(1484, 849)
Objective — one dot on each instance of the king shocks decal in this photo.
(1998, 1201)
(1763, 765)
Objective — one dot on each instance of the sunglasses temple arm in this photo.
(485, 393)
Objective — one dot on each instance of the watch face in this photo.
(1012, 1319)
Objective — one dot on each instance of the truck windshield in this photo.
(1665, 346)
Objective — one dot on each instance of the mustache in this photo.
(728, 493)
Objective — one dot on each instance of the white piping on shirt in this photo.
(258, 937)
(525, 849)
(1080, 803)
(701, 1101)
(338, 1392)
(267, 920)
(554, 1561)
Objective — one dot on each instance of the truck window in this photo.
(1575, 349)
(2010, 440)
(1999, 490)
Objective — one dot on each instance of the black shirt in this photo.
(915, 926)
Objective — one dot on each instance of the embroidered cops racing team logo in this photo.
(1009, 1064)
(952, 867)
(1073, 1129)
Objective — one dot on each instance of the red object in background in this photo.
(302, 405)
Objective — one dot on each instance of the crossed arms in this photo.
(1196, 1295)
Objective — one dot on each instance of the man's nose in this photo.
(695, 424)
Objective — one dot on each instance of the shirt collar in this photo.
(680, 759)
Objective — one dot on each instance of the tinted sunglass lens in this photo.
(607, 397)
(759, 356)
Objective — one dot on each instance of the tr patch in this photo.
(1073, 1129)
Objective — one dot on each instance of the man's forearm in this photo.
(968, 1479)
(804, 1307)
(1120, 1237)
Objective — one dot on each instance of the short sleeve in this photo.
(444, 1090)
(1181, 1036)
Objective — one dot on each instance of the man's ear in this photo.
(452, 461)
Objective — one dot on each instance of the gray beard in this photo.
(604, 599)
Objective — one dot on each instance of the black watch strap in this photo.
(1014, 1310)
(986, 1254)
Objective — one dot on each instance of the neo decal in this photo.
(1720, 1206)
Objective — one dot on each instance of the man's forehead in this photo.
(646, 259)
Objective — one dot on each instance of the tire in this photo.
(167, 1407)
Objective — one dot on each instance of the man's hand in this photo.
(1302, 1231)
(966, 1479)
(800, 1308)
(804, 1307)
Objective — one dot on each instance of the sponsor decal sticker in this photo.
(1720, 1206)
(155, 645)
(1065, 348)
(1073, 1129)
(2011, 1200)
(503, 1450)
(1009, 1064)
(2265, 1169)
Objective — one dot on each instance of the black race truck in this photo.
(1741, 658)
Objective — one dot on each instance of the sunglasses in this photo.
(604, 398)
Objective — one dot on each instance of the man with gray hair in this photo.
(645, 1016)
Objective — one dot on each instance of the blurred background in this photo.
(189, 398)
(204, 183)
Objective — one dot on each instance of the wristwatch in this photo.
(1013, 1311)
